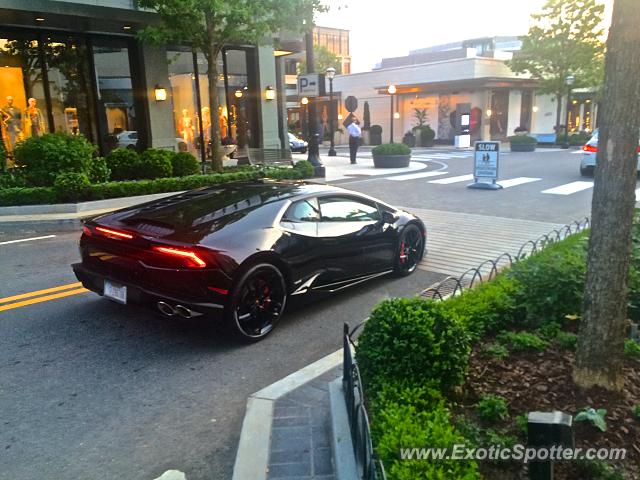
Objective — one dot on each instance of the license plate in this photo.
(115, 292)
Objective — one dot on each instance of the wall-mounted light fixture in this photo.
(339, 116)
(238, 93)
(304, 100)
(396, 115)
(269, 93)
(535, 109)
(489, 112)
(160, 93)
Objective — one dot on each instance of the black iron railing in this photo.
(488, 269)
(369, 468)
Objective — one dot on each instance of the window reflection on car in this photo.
(340, 209)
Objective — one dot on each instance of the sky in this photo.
(391, 28)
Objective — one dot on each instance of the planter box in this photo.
(523, 147)
(391, 161)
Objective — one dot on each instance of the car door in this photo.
(299, 245)
(347, 224)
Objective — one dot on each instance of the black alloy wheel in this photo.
(410, 250)
(257, 302)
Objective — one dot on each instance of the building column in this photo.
(268, 117)
(485, 121)
(162, 131)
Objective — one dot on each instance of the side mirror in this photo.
(388, 217)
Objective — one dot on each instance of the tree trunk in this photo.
(599, 358)
(214, 104)
(558, 114)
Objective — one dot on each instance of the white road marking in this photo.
(447, 181)
(569, 188)
(27, 239)
(413, 176)
(512, 182)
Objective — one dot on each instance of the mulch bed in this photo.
(541, 381)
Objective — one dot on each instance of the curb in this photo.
(344, 459)
(252, 458)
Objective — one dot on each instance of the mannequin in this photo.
(12, 121)
(187, 131)
(34, 120)
(206, 124)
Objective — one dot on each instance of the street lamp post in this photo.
(391, 90)
(331, 72)
(568, 81)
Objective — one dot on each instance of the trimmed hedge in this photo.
(391, 149)
(522, 140)
(183, 164)
(155, 163)
(124, 164)
(48, 195)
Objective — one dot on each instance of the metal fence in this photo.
(369, 468)
(488, 269)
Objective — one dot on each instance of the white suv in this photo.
(589, 153)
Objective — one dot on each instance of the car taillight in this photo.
(590, 148)
(86, 230)
(190, 257)
(117, 234)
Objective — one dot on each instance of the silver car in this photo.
(589, 153)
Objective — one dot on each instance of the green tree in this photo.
(210, 25)
(323, 58)
(599, 358)
(563, 40)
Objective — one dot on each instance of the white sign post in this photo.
(485, 166)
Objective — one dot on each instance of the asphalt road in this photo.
(90, 389)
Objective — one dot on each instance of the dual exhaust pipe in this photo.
(170, 311)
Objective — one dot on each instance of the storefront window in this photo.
(69, 78)
(115, 102)
(22, 105)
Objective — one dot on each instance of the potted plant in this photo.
(391, 155)
(522, 143)
(375, 135)
(409, 139)
(426, 136)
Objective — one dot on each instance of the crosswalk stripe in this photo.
(458, 241)
(447, 181)
(512, 182)
(569, 188)
(412, 176)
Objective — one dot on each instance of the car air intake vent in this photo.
(150, 227)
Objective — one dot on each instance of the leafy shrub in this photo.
(305, 168)
(567, 340)
(124, 164)
(409, 139)
(99, 172)
(43, 158)
(579, 138)
(522, 140)
(427, 134)
(496, 350)
(632, 349)
(593, 416)
(47, 195)
(422, 397)
(522, 422)
(13, 178)
(183, 164)
(636, 412)
(391, 149)
(551, 282)
(492, 408)
(550, 330)
(597, 470)
(414, 340)
(71, 186)
(521, 341)
(397, 425)
(155, 163)
(488, 308)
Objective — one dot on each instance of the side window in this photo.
(347, 209)
(302, 211)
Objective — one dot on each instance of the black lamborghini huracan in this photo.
(239, 250)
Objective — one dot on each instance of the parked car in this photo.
(589, 154)
(238, 251)
(297, 145)
(129, 139)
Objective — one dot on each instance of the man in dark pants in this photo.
(354, 137)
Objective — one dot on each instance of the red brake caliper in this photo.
(403, 257)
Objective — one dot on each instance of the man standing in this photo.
(354, 138)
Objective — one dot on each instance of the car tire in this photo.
(130, 147)
(586, 172)
(303, 151)
(410, 250)
(256, 302)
